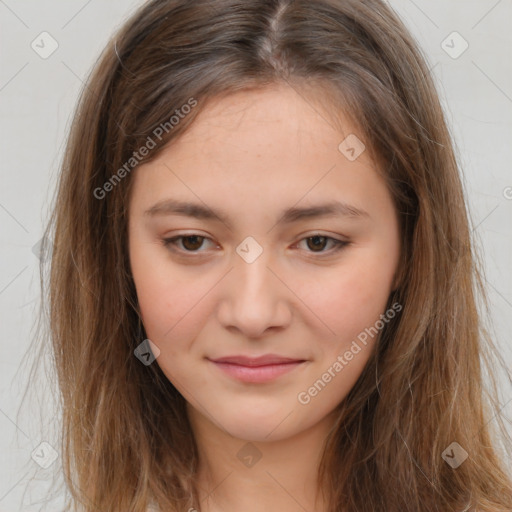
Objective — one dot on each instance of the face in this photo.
(263, 261)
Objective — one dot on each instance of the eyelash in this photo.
(170, 243)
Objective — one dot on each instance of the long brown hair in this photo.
(126, 439)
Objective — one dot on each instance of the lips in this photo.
(265, 360)
(257, 369)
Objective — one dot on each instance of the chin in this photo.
(259, 433)
(259, 427)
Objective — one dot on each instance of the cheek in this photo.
(169, 300)
(352, 296)
(169, 313)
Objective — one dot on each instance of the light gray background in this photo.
(38, 95)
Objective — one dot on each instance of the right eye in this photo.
(190, 243)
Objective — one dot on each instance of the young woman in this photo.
(263, 293)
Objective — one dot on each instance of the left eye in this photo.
(320, 241)
(193, 242)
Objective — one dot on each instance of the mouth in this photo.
(260, 369)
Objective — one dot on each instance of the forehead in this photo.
(274, 144)
(277, 123)
(266, 117)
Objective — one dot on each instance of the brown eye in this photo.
(317, 242)
(189, 243)
(192, 242)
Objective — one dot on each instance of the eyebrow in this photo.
(288, 216)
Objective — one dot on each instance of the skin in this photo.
(254, 154)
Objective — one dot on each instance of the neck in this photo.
(260, 475)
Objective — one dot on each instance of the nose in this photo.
(255, 299)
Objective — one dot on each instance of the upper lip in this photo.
(256, 361)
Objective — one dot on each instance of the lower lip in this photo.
(257, 373)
